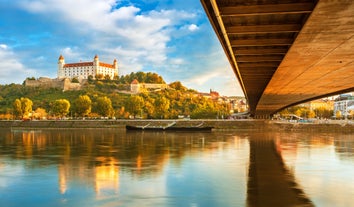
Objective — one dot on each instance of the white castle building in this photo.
(83, 70)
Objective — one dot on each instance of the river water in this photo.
(108, 167)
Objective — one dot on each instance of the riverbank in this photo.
(239, 125)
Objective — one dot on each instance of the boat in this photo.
(170, 127)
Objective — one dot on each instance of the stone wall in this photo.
(234, 125)
(64, 84)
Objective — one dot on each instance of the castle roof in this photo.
(82, 64)
(106, 65)
(135, 81)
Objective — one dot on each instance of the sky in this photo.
(173, 38)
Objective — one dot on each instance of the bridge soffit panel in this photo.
(256, 35)
(320, 61)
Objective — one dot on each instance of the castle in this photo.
(83, 70)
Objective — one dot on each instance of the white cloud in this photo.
(177, 61)
(3, 46)
(140, 39)
(193, 27)
(11, 69)
(146, 34)
(72, 54)
(201, 79)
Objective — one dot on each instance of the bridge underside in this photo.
(289, 52)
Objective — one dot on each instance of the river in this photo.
(112, 167)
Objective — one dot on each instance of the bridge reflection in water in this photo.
(270, 183)
(175, 169)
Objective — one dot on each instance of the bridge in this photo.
(286, 52)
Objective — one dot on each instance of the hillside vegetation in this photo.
(106, 98)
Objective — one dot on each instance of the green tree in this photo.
(83, 105)
(177, 86)
(104, 106)
(162, 105)
(61, 107)
(75, 80)
(90, 78)
(135, 105)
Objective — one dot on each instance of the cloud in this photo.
(126, 26)
(11, 69)
(72, 54)
(168, 37)
(3, 46)
(193, 27)
(201, 79)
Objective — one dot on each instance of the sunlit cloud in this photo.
(201, 79)
(166, 37)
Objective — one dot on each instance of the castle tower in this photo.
(96, 65)
(135, 86)
(115, 64)
(61, 63)
(96, 61)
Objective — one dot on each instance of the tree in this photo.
(75, 80)
(26, 106)
(90, 78)
(107, 77)
(311, 114)
(135, 105)
(104, 106)
(22, 107)
(99, 76)
(61, 107)
(83, 105)
(338, 114)
(39, 113)
(177, 86)
(162, 105)
(17, 108)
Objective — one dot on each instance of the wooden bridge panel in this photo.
(320, 57)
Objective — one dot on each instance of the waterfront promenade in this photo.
(239, 125)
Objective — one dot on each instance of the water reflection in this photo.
(270, 183)
(323, 165)
(109, 167)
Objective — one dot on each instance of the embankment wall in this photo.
(239, 125)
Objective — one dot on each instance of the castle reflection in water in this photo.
(101, 159)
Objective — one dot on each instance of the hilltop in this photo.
(161, 101)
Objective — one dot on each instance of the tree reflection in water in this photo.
(173, 169)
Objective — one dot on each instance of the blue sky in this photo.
(172, 38)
